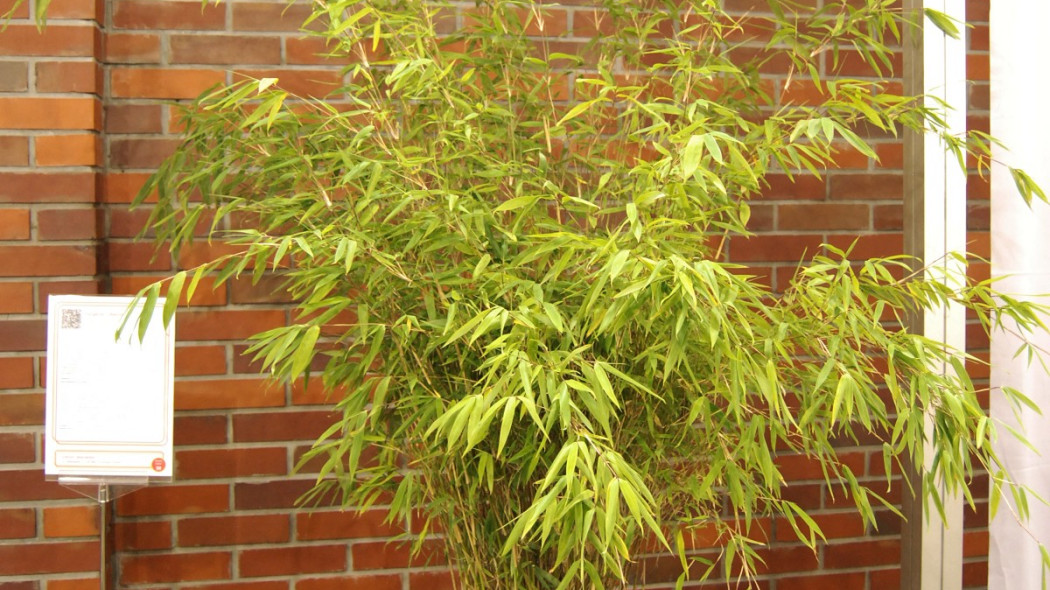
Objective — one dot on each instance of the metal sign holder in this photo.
(109, 407)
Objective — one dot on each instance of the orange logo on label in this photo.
(158, 464)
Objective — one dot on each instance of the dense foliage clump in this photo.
(548, 351)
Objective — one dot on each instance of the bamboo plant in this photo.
(550, 352)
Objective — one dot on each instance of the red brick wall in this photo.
(84, 118)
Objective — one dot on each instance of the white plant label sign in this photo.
(109, 400)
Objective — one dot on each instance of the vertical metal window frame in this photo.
(935, 227)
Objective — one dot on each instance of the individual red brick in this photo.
(67, 224)
(142, 535)
(68, 76)
(39, 261)
(132, 48)
(15, 298)
(174, 567)
(852, 64)
(163, 83)
(270, 288)
(975, 574)
(869, 246)
(205, 251)
(146, 152)
(175, 499)
(432, 581)
(224, 49)
(70, 287)
(824, 581)
(313, 393)
(200, 360)
(200, 430)
(253, 585)
(49, 113)
(74, 584)
(834, 526)
(299, 82)
(866, 187)
(344, 524)
(17, 523)
(14, 224)
(17, 447)
(153, 14)
(355, 582)
(283, 425)
(14, 76)
(40, 558)
(768, 248)
(134, 256)
(381, 555)
(310, 51)
(313, 465)
(14, 149)
(21, 11)
(270, 495)
(50, 187)
(134, 118)
(206, 293)
(888, 217)
(215, 463)
(25, 585)
(55, 40)
(227, 393)
(21, 409)
(23, 335)
(292, 560)
(127, 224)
(866, 553)
(269, 16)
(80, 149)
(798, 188)
(234, 530)
(226, 324)
(245, 363)
(71, 521)
(823, 216)
(891, 156)
(15, 372)
(786, 558)
(975, 543)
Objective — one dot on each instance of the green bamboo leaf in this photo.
(612, 509)
(1029, 189)
(517, 203)
(617, 263)
(304, 351)
(691, 155)
(712, 147)
(605, 383)
(855, 141)
(146, 315)
(942, 21)
(576, 111)
(174, 293)
(843, 390)
(506, 424)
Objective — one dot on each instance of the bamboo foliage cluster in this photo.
(548, 351)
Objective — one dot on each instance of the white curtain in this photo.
(1020, 117)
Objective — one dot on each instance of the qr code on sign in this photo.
(70, 319)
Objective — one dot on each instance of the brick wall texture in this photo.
(85, 115)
